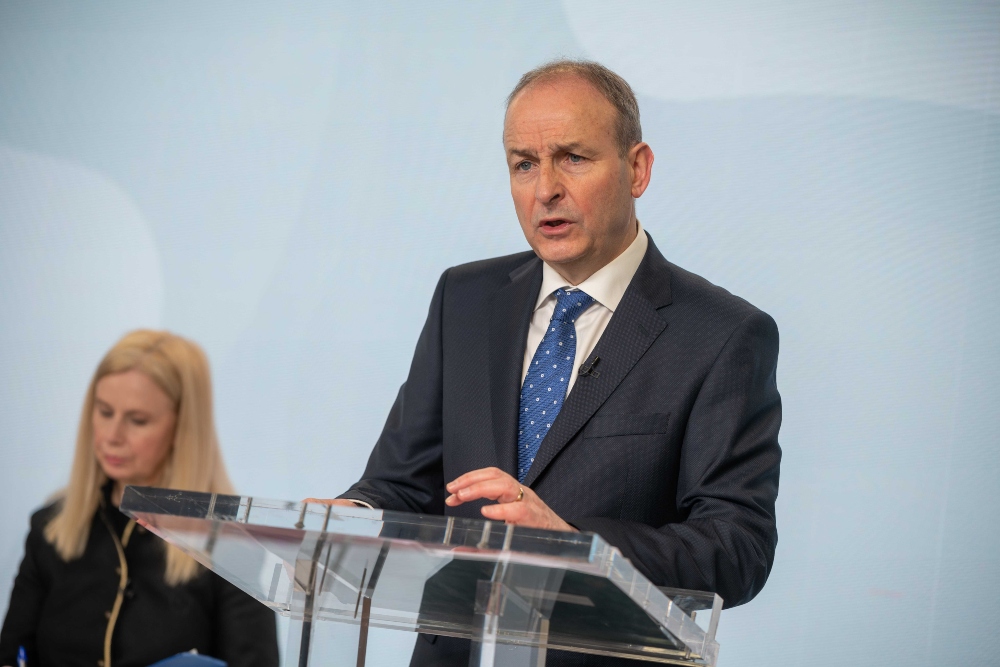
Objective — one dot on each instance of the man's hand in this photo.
(516, 504)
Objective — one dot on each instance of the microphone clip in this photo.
(588, 369)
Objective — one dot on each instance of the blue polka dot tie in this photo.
(544, 387)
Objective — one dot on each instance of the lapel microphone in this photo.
(589, 369)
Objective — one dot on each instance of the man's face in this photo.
(572, 190)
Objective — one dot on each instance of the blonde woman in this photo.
(94, 589)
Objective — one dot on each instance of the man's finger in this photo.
(501, 490)
(515, 513)
(474, 476)
(493, 489)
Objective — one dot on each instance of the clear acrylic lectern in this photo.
(515, 592)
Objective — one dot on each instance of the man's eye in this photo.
(524, 165)
(575, 159)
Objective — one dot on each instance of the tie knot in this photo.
(569, 305)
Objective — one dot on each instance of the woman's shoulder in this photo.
(41, 517)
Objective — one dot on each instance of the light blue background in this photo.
(284, 183)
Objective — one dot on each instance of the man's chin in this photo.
(559, 251)
(560, 259)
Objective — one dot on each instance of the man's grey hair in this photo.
(628, 131)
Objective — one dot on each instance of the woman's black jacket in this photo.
(60, 611)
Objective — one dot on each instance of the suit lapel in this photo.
(631, 330)
(511, 310)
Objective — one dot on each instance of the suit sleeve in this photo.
(728, 479)
(31, 587)
(404, 472)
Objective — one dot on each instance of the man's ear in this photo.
(640, 162)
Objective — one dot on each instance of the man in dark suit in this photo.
(590, 384)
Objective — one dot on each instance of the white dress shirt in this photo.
(607, 286)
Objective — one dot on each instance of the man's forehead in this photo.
(567, 110)
(566, 94)
(569, 83)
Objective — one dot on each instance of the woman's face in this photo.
(133, 427)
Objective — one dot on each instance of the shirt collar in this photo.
(608, 284)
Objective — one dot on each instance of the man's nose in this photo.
(548, 187)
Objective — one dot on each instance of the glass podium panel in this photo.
(515, 592)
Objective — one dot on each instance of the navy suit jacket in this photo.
(670, 453)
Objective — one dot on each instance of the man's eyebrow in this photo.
(571, 147)
(521, 152)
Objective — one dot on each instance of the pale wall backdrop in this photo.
(284, 183)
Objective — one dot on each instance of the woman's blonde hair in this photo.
(180, 368)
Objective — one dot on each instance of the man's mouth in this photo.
(554, 225)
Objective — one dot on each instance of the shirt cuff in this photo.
(361, 503)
